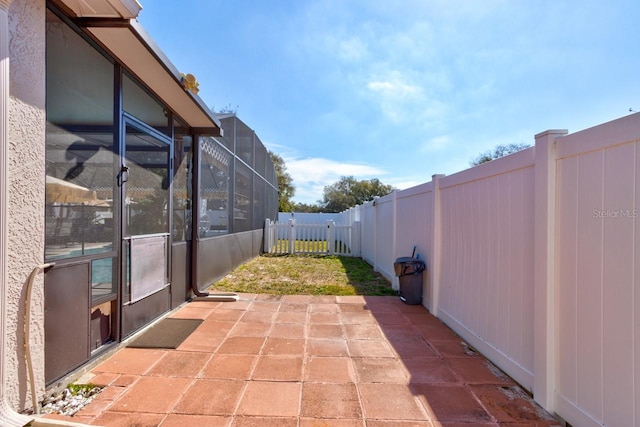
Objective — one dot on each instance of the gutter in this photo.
(195, 216)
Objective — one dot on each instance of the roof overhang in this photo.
(125, 9)
(126, 40)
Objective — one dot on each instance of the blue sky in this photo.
(401, 90)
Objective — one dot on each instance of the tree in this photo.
(285, 183)
(349, 192)
(497, 152)
(305, 208)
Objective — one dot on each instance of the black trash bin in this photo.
(409, 270)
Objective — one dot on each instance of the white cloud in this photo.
(352, 49)
(318, 169)
(311, 175)
(394, 89)
(280, 149)
(411, 99)
(395, 94)
(438, 143)
(387, 61)
(402, 183)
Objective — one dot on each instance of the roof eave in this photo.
(127, 41)
(111, 24)
(124, 9)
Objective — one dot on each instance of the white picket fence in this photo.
(319, 239)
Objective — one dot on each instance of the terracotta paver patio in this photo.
(306, 361)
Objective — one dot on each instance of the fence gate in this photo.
(321, 239)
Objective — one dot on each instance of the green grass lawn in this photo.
(305, 275)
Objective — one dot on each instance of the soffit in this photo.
(127, 9)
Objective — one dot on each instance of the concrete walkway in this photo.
(309, 361)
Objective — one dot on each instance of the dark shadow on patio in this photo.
(454, 383)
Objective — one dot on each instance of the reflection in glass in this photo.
(79, 193)
(80, 153)
(137, 102)
(182, 177)
(127, 269)
(147, 185)
(103, 287)
(79, 79)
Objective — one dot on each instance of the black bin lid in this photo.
(408, 265)
(410, 260)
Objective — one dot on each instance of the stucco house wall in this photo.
(26, 171)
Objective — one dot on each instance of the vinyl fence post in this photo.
(375, 236)
(545, 322)
(267, 235)
(292, 236)
(394, 229)
(435, 258)
(331, 237)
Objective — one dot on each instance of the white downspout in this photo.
(8, 417)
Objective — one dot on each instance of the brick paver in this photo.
(305, 361)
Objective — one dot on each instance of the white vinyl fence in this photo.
(326, 239)
(534, 259)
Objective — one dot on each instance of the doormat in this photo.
(168, 333)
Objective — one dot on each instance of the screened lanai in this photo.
(150, 196)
